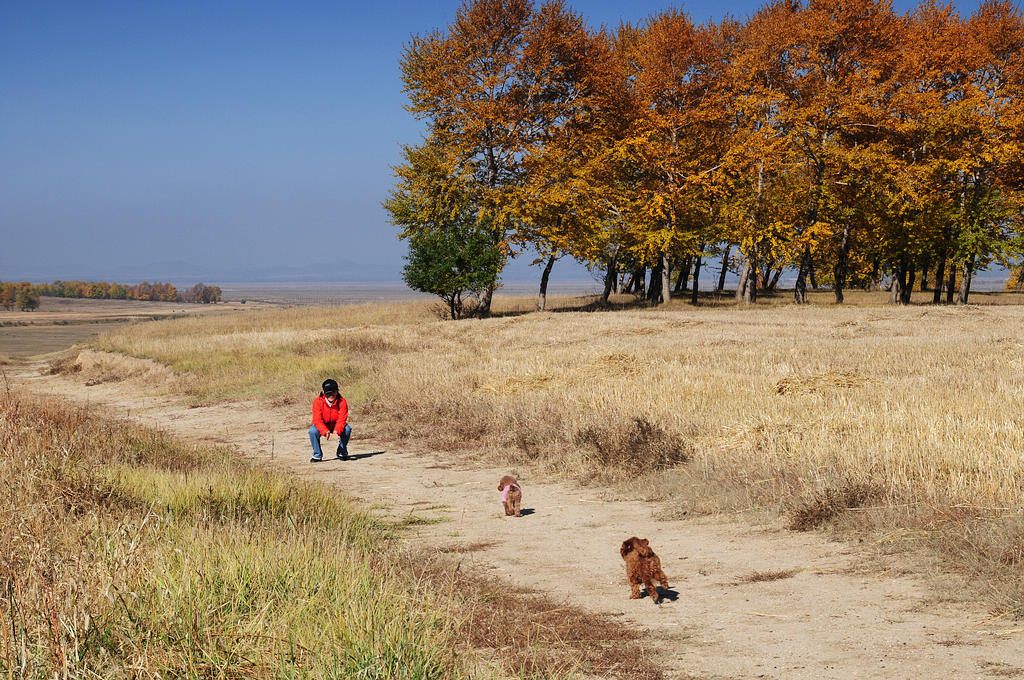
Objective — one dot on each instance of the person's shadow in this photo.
(360, 456)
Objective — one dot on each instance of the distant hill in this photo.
(347, 271)
(344, 271)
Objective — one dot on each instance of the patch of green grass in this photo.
(420, 520)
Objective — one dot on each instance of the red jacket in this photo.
(330, 417)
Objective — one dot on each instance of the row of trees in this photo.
(21, 295)
(25, 295)
(837, 139)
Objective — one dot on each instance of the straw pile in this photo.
(820, 383)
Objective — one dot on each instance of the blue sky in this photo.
(243, 134)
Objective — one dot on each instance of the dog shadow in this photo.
(360, 456)
(663, 593)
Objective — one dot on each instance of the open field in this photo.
(59, 323)
(909, 413)
(29, 340)
(83, 310)
(895, 426)
(692, 426)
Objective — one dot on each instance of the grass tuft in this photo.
(827, 504)
(769, 575)
(636, 445)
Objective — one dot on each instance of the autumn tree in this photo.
(26, 299)
(757, 170)
(563, 204)
(988, 211)
(466, 84)
(8, 295)
(674, 141)
(842, 51)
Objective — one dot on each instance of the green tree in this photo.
(451, 249)
(457, 263)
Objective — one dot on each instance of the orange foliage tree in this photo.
(843, 141)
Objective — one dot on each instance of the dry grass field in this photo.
(898, 420)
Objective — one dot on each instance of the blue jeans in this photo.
(314, 439)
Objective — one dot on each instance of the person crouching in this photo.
(330, 416)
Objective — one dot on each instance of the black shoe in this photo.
(314, 459)
(342, 454)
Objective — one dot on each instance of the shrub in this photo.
(636, 446)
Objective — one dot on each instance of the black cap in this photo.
(329, 385)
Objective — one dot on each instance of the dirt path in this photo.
(838, 616)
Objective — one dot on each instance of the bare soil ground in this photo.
(746, 601)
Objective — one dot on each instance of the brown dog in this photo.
(642, 566)
(511, 495)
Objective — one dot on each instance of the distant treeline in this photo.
(25, 295)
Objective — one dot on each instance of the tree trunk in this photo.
(951, 283)
(925, 266)
(965, 284)
(749, 285)
(812, 275)
(637, 284)
(610, 277)
(628, 285)
(875, 273)
(654, 287)
(940, 273)
(725, 268)
(484, 309)
(842, 264)
(909, 288)
(806, 263)
(542, 296)
(750, 293)
(696, 280)
(899, 283)
(800, 290)
(666, 288)
(684, 275)
(741, 286)
(773, 284)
